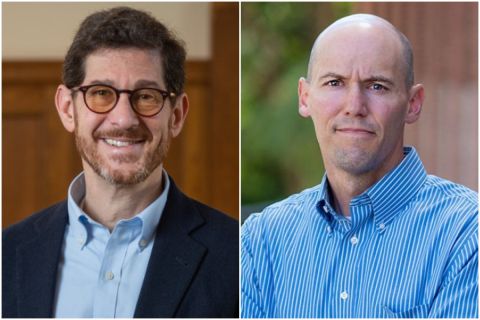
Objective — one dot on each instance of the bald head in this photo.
(358, 23)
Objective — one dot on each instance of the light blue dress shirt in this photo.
(409, 250)
(100, 274)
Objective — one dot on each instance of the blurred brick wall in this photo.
(444, 37)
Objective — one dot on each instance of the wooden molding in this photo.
(31, 72)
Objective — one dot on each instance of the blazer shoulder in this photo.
(219, 230)
(214, 216)
(31, 226)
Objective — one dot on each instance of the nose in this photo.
(123, 116)
(356, 102)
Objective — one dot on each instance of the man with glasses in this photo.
(378, 237)
(127, 242)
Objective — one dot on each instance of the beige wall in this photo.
(43, 31)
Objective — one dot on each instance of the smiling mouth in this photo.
(121, 143)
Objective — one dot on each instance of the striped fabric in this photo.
(410, 250)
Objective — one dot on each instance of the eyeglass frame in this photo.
(84, 89)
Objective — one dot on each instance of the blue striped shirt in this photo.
(409, 250)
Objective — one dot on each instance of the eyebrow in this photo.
(380, 79)
(142, 83)
(146, 84)
(373, 78)
(108, 82)
(332, 75)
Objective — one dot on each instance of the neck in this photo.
(107, 203)
(344, 188)
(344, 185)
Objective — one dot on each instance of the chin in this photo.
(355, 161)
(123, 177)
(123, 170)
(123, 173)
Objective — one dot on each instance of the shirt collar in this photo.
(80, 222)
(395, 189)
(387, 196)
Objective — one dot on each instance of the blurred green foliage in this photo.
(280, 154)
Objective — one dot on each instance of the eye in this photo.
(145, 96)
(378, 87)
(100, 92)
(333, 83)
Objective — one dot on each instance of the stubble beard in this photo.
(355, 162)
(151, 160)
(356, 157)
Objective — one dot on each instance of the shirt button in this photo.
(381, 226)
(354, 240)
(329, 229)
(344, 295)
(143, 243)
(109, 275)
(81, 241)
(325, 209)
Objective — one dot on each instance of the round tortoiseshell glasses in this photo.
(102, 98)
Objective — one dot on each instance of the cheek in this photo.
(158, 127)
(86, 120)
(324, 107)
(87, 124)
(391, 118)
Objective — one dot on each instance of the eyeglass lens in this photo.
(145, 101)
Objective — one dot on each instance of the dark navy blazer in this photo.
(192, 271)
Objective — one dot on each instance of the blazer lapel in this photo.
(37, 264)
(174, 260)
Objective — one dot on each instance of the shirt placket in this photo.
(341, 290)
(350, 239)
(110, 276)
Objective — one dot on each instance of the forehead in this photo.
(124, 65)
(359, 48)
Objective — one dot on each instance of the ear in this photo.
(179, 114)
(415, 103)
(64, 105)
(303, 88)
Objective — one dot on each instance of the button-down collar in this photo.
(81, 224)
(386, 198)
(393, 192)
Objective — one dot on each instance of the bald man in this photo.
(378, 237)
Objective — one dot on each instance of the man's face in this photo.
(357, 98)
(121, 146)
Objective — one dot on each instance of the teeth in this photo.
(117, 143)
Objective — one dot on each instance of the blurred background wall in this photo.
(280, 154)
(39, 157)
(45, 30)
